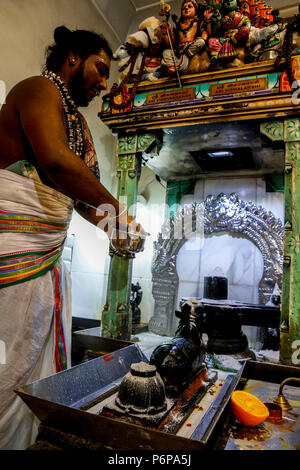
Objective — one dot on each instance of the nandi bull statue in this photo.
(138, 60)
(146, 41)
(181, 359)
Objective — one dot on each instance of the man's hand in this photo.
(126, 223)
(108, 222)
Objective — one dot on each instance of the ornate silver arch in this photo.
(216, 214)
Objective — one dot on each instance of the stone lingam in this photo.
(141, 395)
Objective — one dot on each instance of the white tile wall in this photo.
(187, 199)
(150, 213)
(187, 289)
(188, 264)
(244, 187)
(199, 190)
(90, 247)
(89, 268)
(88, 294)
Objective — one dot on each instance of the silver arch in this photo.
(216, 214)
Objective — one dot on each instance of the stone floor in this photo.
(148, 341)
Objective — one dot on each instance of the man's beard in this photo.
(77, 89)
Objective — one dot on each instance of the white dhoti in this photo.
(33, 221)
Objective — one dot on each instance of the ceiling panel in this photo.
(182, 145)
(143, 4)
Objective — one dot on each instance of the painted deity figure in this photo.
(255, 17)
(186, 37)
(235, 27)
(244, 8)
(212, 18)
(260, 14)
(266, 17)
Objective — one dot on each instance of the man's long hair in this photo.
(84, 43)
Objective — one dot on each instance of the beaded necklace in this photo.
(191, 23)
(74, 124)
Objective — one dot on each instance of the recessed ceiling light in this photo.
(220, 154)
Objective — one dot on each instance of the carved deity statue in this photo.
(136, 296)
(235, 29)
(186, 37)
(211, 21)
(210, 34)
(244, 7)
(260, 13)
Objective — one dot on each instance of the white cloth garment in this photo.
(27, 309)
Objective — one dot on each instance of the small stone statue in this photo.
(136, 296)
(272, 335)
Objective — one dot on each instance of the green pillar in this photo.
(288, 131)
(175, 191)
(290, 327)
(116, 321)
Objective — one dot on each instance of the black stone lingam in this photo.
(142, 391)
(215, 287)
(141, 396)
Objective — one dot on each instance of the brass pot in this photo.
(268, 55)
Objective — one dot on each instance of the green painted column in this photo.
(290, 326)
(288, 131)
(116, 321)
(175, 191)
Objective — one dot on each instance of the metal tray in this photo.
(60, 401)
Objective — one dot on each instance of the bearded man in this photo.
(48, 166)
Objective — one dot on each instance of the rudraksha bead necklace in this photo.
(74, 124)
